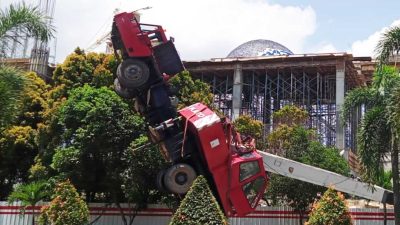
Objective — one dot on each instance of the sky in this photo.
(206, 29)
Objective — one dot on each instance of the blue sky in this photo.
(342, 22)
(205, 29)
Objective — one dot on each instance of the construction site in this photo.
(256, 78)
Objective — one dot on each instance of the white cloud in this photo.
(202, 29)
(366, 47)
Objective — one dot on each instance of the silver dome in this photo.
(259, 47)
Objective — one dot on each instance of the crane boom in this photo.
(299, 171)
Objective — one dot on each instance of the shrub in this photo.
(199, 207)
(66, 208)
(330, 210)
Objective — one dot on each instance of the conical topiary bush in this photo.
(331, 209)
(199, 207)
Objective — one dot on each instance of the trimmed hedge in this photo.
(331, 209)
(199, 207)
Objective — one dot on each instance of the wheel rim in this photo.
(134, 73)
(181, 178)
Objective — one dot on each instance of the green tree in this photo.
(19, 19)
(378, 133)
(246, 125)
(388, 45)
(11, 86)
(67, 207)
(199, 206)
(29, 195)
(80, 68)
(95, 129)
(295, 142)
(331, 209)
(141, 164)
(17, 151)
(18, 141)
(190, 91)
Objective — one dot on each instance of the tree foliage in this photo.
(67, 207)
(388, 45)
(80, 68)
(11, 86)
(29, 195)
(292, 140)
(331, 209)
(17, 151)
(378, 134)
(18, 140)
(190, 91)
(96, 129)
(246, 125)
(290, 115)
(199, 206)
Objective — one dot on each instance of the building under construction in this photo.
(27, 52)
(261, 76)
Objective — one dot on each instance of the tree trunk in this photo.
(300, 218)
(33, 214)
(395, 173)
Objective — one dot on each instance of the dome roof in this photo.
(259, 47)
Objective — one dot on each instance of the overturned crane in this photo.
(195, 139)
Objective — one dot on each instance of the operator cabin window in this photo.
(248, 169)
(252, 190)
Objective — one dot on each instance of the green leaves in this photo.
(388, 45)
(292, 140)
(98, 127)
(246, 125)
(199, 207)
(12, 84)
(191, 91)
(380, 122)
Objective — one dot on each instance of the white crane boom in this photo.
(299, 171)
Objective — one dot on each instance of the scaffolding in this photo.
(268, 84)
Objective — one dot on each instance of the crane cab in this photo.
(239, 178)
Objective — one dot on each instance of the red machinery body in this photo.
(240, 179)
(195, 140)
(137, 37)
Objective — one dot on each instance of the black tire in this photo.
(122, 92)
(178, 178)
(160, 181)
(133, 73)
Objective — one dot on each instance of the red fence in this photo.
(101, 214)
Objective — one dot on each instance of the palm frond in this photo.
(357, 97)
(29, 194)
(24, 19)
(388, 45)
(373, 143)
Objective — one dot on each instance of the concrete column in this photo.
(237, 91)
(340, 89)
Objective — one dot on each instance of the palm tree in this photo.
(378, 135)
(29, 195)
(20, 19)
(16, 21)
(388, 45)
